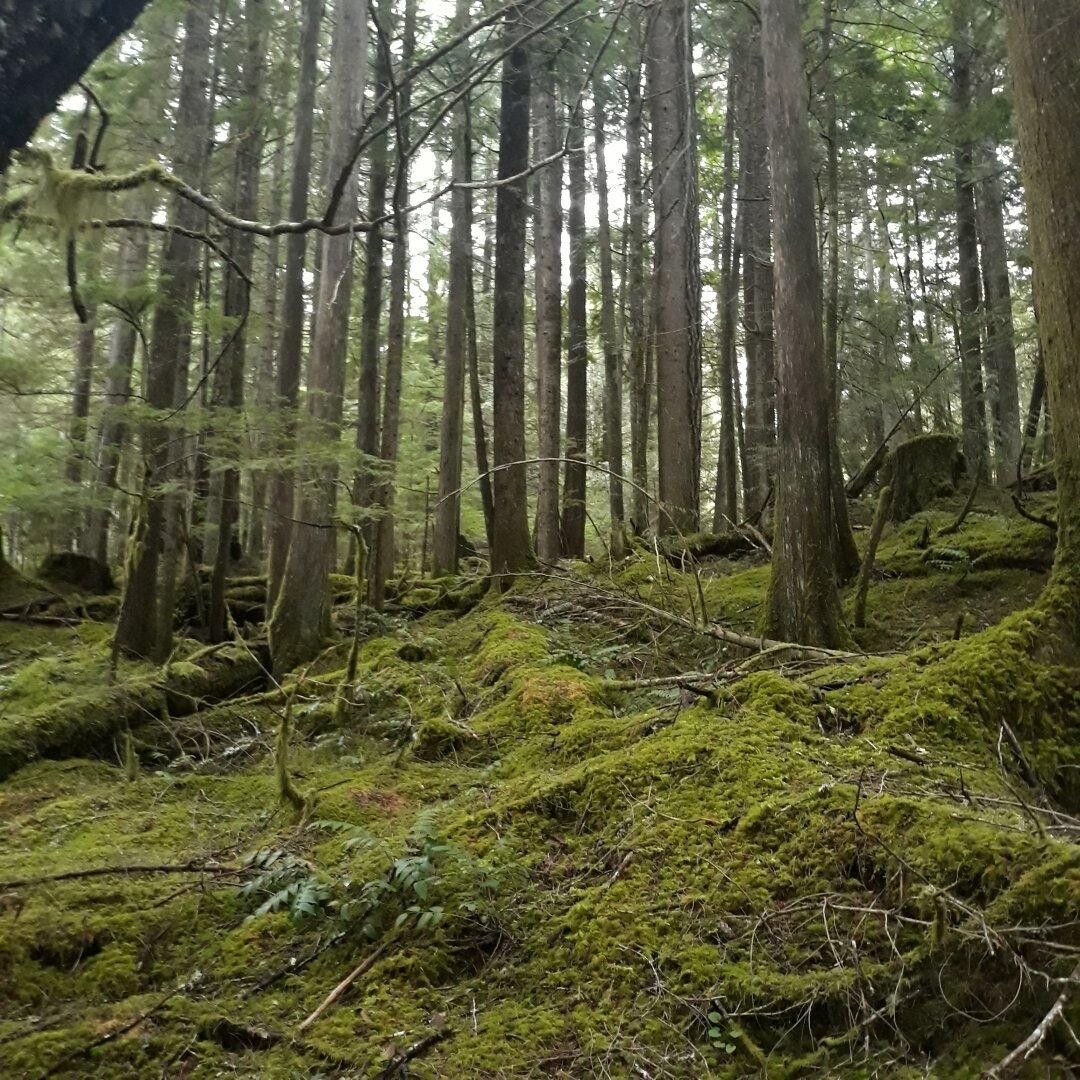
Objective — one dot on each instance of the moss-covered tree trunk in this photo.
(802, 603)
(1044, 50)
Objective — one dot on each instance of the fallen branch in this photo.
(365, 965)
(395, 1066)
(131, 868)
(1038, 519)
(1041, 1030)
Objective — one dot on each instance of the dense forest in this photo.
(540, 539)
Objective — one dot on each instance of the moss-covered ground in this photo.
(560, 866)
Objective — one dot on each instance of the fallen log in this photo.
(89, 723)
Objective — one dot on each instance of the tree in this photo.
(677, 285)
(301, 615)
(511, 548)
(548, 317)
(290, 349)
(802, 602)
(1044, 50)
(577, 349)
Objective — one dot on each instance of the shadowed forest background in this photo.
(539, 539)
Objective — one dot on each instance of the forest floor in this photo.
(534, 856)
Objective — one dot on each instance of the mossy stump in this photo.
(920, 470)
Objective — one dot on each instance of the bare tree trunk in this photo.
(1044, 50)
(382, 564)
(483, 467)
(577, 350)
(847, 554)
(301, 617)
(548, 318)
(972, 401)
(613, 423)
(677, 283)
(726, 507)
(635, 289)
(444, 548)
(802, 602)
(123, 341)
(367, 391)
(290, 349)
(510, 549)
(757, 279)
(139, 629)
(229, 384)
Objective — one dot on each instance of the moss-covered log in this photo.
(920, 470)
(88, 724)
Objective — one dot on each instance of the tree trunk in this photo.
(301, 617)
(444, 547)
(510, 549)
(726, 505)
(141, 629)
(678, 286)
(290, 349)
(757, 279)
(45, 48)
(123, 340)
(613, 425)
(1000, 340)
(847, 554)
(483, 467)
(635, 290)
(1044, 50)
(972, 401)
(577, 350)
(802, 602)
(382, 564)
(548, 318)
(229, 382)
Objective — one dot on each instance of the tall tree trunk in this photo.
(301, 616)
(139, 629)
(548, 318)
(264, 380)
(1000, 340)
(726, 506)
(757, 279)
(511, 549)
(678, 287)
(802, 602)
(483, 467)
(123, 341)
(635, 288)
(367, 390)
(290, 349)
(382, 563)
(577, 350)
(847, 554)
(972, 401)
(1044, 50)
(613, 395)
(444, 548)
(229, 383)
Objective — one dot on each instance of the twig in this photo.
(396, 1065)
(365, 965)
(134, 868)
(1042, 1028)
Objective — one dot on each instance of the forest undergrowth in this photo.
(566, 831)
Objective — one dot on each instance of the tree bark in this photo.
(142, 629)
(635, 289)
(301, 617)
(577, 350)
(678, 286)
(444, 547)
(802, 602)
(511, 548)
(1044, 50)
(548, 318)
(290, 349)
(613, 391)
(382, 564)
(972, 400)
